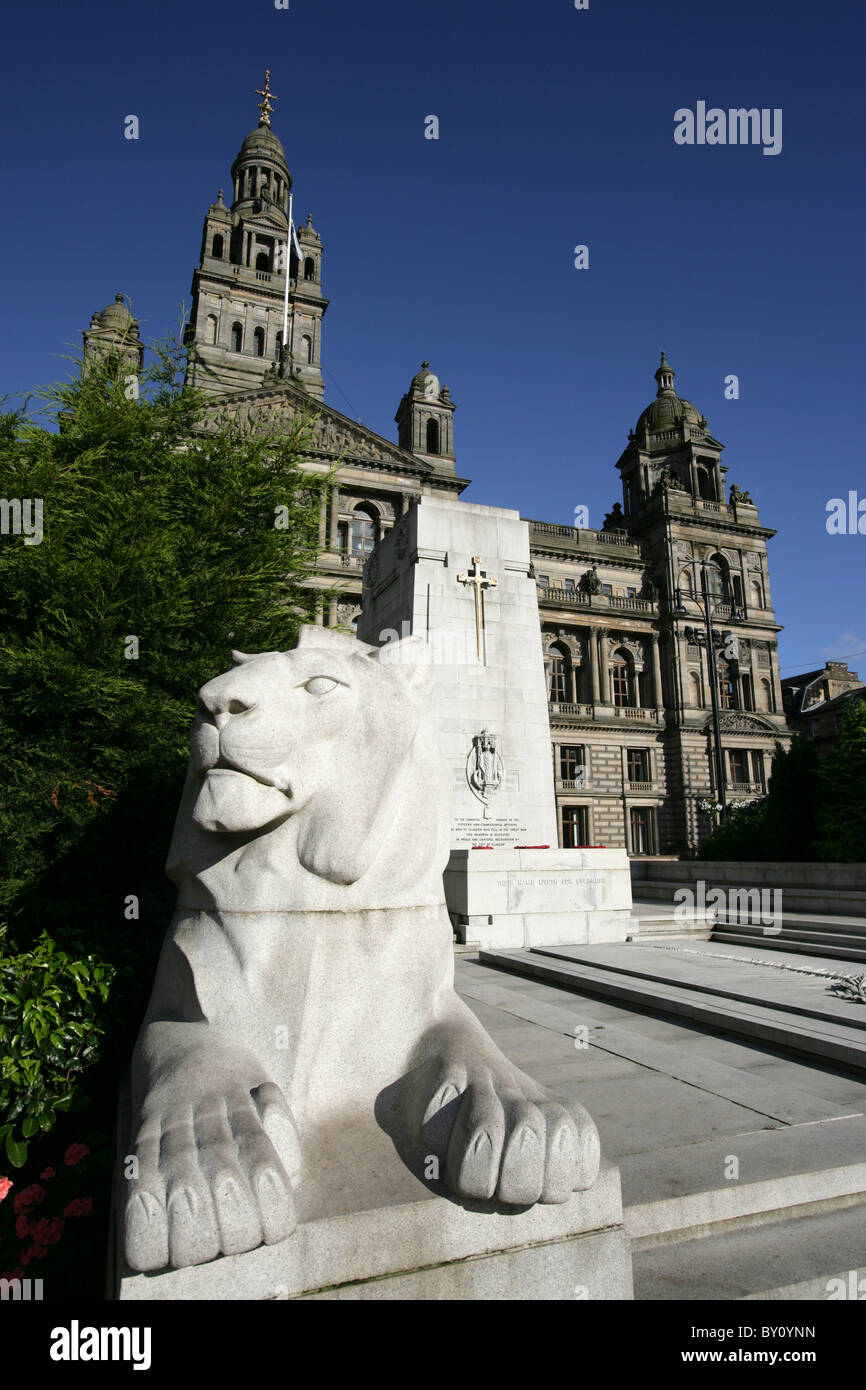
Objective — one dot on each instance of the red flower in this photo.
(33, 1252)
(75, 1153)
(48, 1174)
(48, 1231)
(29, 1197)
(22, 1226)
(5, 1185)
(79, 1206)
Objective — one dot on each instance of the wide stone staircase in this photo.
(783, 907)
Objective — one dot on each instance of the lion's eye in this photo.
(320, 685)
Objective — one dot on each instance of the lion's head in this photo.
(322, 751)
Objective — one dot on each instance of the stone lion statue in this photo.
(305, 987)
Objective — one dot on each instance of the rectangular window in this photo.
(544, 581)
(631, 593)
(607, 589)
(638, 761)
(758, 768)
(640, 826)
(569, 586)
(738, 764)
(575, 826)
(572, 765)
(727, 693)
(343, 537)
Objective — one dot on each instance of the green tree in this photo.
(790, 825)
(782, 825)
(842, 785)
(165, 543)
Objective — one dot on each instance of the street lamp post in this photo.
(711, 641)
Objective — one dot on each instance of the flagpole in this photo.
(288, 267)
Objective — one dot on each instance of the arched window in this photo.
(757, 595)
(766, 697)
(364, 531)
(686, 583)
(560, 674)
(718, 584)
(309, 268)
(278, 348)
(727, 686)
(705, 485)
(259, 342)
(695, 694)
(432, 436)
(211, 328)
(237, 337)
(621, 679)
(217, 247)
(263, 261)
(307, 349)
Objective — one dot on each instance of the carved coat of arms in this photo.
(484, 768)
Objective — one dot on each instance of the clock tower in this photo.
(238, 289)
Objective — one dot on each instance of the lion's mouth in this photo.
(276, 779)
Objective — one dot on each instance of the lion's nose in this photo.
(221, 705)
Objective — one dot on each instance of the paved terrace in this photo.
(675, 1100)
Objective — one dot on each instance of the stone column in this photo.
(604, 666)
(323, 524)
(334, 533)
(593, 665)
(720, 482)
(754, 676)
(657, 670)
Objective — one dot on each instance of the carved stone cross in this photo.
(479, 581)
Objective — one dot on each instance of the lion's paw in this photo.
(214, 1176)
(507, 1139)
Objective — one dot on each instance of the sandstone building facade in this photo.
(630, 701)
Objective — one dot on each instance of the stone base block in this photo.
(510, 899)
(429, 1248)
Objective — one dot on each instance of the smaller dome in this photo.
(668, 408)
(116, 315)
(308, 233)
(262, 145)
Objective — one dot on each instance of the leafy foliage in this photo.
(49, 1034)
(814, 809)
(842, 786)
(190, 540)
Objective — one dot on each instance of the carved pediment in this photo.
(738, 722)
(332, 434)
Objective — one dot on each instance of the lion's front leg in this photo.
(217, 1151)
(497, 1133)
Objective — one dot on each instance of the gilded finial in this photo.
(267, 97)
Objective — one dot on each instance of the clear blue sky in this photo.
(556, 129)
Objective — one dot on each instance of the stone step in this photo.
(793, 1218)
(827, 944)
(682, 1192)
(842, 902)
(812, 1031)
(814, 924)
(806, 1257)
